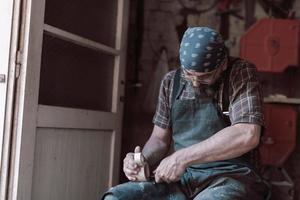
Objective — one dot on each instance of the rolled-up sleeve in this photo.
(162, 114)
(246, 97)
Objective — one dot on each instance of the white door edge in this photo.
(10, 24)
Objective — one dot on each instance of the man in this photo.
(211, 157)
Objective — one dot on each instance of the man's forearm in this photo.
(157, 146)
(228, 143)
(154, 151)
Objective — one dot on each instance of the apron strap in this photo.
(176, 85)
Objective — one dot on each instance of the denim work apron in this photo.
(193, 121)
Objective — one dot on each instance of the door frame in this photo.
(6, 9)
(26, 102)
(27, 108)
(9, 62)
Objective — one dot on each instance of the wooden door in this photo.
(6, 8)
(8, 61)
(69, 114)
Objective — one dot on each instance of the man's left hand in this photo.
(170, 169)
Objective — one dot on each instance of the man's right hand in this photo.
(130, 167)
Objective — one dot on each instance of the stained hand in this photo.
(170, 169)
(130, 167)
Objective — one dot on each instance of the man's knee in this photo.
(110, 197)
(143, 190)
(227, 188)
(129, 190)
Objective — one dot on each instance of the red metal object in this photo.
(279, 139)
(224, 5)
(272, 44)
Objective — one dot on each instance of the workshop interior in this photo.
(264, 32)
(80, 83)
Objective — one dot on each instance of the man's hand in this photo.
(170, 169)
(130, 167)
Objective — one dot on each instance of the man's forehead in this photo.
(195, 73)
(192, 72)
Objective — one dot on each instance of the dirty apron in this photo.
(193, 121)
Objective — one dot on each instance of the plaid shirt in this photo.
(245, 99)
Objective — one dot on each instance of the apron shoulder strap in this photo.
(176, 85)
(226, 80)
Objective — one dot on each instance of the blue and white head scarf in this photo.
(202, 49)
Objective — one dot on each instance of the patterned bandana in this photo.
(202, 49)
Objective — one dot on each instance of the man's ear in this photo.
(224, 66)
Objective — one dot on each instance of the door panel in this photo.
(51, 116)
(93, 19)
(71, 160)
(75, 76)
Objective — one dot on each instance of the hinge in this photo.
(19, 58)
